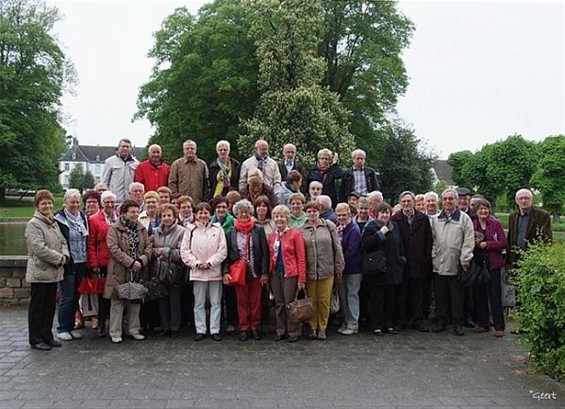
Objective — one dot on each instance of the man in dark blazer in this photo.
(289, 162)
(359, 178)
(525, 226)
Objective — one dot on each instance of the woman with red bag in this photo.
(247, 240)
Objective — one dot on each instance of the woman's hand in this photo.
(384, 229)
(226, 279)
(301, 286)
(338, 278)
(136, 266)
(264, 279)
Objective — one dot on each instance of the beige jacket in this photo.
(190, 177)
(46, 246)
(205, 243)
(323, 250)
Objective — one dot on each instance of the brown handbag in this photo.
(300, 310)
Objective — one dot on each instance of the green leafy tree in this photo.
(362, 44)
(293, 107)
(404, 165)
(81, 180)
(457, 161)
(549, 176)
(204, 82)
(33, 73)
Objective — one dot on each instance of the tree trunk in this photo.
(2, 193)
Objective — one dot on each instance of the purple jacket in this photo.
(496, 241)
(351, 244)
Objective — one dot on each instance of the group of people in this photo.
(386, 265)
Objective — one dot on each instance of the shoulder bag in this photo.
(300, 310)
(238, 269)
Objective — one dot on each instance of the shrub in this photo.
(540, 278)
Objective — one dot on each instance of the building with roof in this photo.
(442, 171)
(91, 158)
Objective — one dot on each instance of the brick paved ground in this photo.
(409, 370)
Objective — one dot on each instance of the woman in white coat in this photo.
(203, 249)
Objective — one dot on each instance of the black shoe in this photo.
(162, 333)
(458, 330)
(256, 334)
(53, 343)
(277, 337)
(42, 346)
(174, 334)
(469, 324)
(216, 337)
(199, 337)
(420, 326)
(243, 336)
(101, 332)
(438, 327)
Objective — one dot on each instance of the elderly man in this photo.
(452, 253)
(525, 226)
(314, 190)
(119, 170)
(136, 191)
(153, 172)
(375, 198)
(261, 161)
(326, 210)
(189, 174)
(360, 178)
(290, 163)
(431, 200)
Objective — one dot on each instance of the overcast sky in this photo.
(479, 71)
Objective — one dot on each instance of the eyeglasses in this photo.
(448, 198)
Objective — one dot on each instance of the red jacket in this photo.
(98, 254)
(293, 254)
(151, 176)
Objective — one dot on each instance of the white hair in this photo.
(107, 195)
(449, 190)
(324, 151)
(432, 194)
(375, 195)
(72, 194)
(154, 146)
(133, 185)
(325, 201)
(358, 152)
(522, 191)
(223, 143)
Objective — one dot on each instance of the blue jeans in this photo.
(352, 283)
(69, 296)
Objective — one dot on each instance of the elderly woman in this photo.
(224, 171)
(149, 218)
(203, 249)
(490, 241)
(91, 202)
(288, 271)
(47, 254)
(324, 261)
(98, 253)
(327, 172)
(247, 241)
(74, 226)
(297, 214)
(350, 236)
(263, 209)
(130, 252)
(383, 233)
(255, 187)
(184, 206)
(290, 186)
(166, 252)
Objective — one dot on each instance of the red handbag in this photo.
(238, 269)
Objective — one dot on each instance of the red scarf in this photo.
(244, 227)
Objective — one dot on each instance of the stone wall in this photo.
(13, 286)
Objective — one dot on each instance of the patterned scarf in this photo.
(225, 172)
(261, 163)
(132, 229)
(76, 223)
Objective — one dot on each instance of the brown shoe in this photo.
(322, 334)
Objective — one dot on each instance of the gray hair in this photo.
(241, 205)
(325, 151)
(107, 195)
(431, 194)
(134, 185)
(358, 152)
(375, 194)
(406, 192)
(325, 201)
(449, 190)
(72, 194)
(223, 143)
(521, 191)
(154, 146)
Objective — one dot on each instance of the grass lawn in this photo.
(13, 207)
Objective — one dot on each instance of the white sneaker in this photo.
(341, 329)
(116, 340)
(137, 337)
(76, 334)
(349, 331)
(65, 336)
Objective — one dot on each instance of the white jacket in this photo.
(271, 176)
(205, 243)
(118, 174)
(454, 241)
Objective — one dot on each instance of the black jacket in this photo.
(328, 180)
(259, 249)
(214, 169)
(417, 240)
(391, 243)
(348, 182)
(297, 166)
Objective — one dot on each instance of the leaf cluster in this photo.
(540, 280)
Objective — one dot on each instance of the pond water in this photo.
(12, 240)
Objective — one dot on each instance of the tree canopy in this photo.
(33, 73)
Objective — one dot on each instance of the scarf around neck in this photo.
(244, 227)
(132, 229)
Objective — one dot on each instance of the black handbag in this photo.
(155, 289)
(169, 273)
(477, 275)
(374, 263)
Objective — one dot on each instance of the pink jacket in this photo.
(204, 243)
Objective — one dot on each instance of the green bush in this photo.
(540, 278)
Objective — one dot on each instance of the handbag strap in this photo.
(246, 248)
(298, 292)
